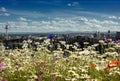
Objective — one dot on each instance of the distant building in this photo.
(118, 35)
(109, 34)
(97, 35)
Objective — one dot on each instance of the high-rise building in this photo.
(118, 35)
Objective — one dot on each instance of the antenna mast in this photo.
(6, 28)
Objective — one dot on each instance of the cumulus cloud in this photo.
(112, 17)
(103, 21)
(84, 19)
(69, 4)
(76, 24)
(3, 9)
(22, 19)
(73, 4)
(118, 17)
(4, 12)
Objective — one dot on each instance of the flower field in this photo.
(44, 65)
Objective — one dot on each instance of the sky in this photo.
(59, 15)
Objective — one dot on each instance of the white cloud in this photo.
(112, 17)
(73, 4)
(118, 17)
(97, 24)
(3, 9)
(95, 21)
(103, 21)
(54, 13)
(2, 24)
(69, 4)
(109, 22)
(64, 24)
(22, 19)
(73, 24)
(6, 14)
(27, 13)
(84, 19)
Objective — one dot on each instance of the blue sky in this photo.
(59, 15)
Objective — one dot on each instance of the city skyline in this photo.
(59, 15)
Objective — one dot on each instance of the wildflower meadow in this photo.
(45, 64)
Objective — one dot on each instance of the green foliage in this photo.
(45, 66)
